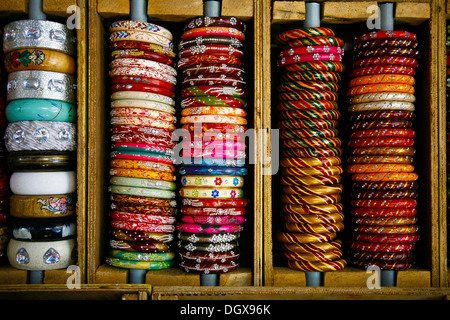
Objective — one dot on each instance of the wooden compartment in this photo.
(348, 19)
(57, 11)
(173, 15)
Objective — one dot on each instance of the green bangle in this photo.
(144, 192)
(40, 109)
(144, 183)
(141, 256)
(130, 264)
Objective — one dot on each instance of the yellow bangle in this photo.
(39, 59)
(42, 206)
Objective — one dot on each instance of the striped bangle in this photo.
(124, 25)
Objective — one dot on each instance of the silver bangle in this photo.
(36, 84)
(39, 34)
(40, 135)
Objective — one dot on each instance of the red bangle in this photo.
(312, 76)
(209, 257)
(140, 246)
(387, 51)
(385, 221)
(143, 80)
(389, 238)
(213, 211)
(379, 159)
(380, 142)
(210, 49)
(141, 226)
(214, 90)
(142, 46)
(222, 203)
(308, 95)
(386, 42)
(316, 66)
(307, 85)
(312, 152)
(290, 35)
(399, 151)
(212, 219)
(214, 31)
(305, 133)
(382, 115)
(142, 138)
(401, 194)
(381, 247)
(314, 41)
(147, 210)
(385, 265)
(299, 58)
(383, 212)
(307, 104)
(387, 69)
(209, 58)
(215, 22)
(136, 129)
(310, 114)
(142, 54)
(383, 256)
(386, 132)
(379, 124)
(377, 61)
(142, 87)
(396, 34)
(385, 185)
(138, 217)
(384, 203)
(208, 68)
(386, 229)
(311, 50)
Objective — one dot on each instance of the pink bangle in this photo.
(142, 147)
(212, 153)
(220, 145)
(216, 31)
(212, 211)
(386, 34)
(310, 50)
(143, 63)
(147, 218)
(141, 226)
(214, 119)
(143, 72)
(298, 58)
(208, 228)
(215, 220)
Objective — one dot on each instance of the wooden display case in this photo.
(11, 10)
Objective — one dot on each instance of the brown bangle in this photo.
(42, 206)
(313, 190)
(322, 266)
(296, 237)
(39, 59)
(313, 256)
(317, 228)
(311, 200)
(310, 162)
(310, 180)
(314, 218)
(320, 247)
(317, 209)
(316, 171)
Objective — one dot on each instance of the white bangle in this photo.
(44, 182)
(42, 255)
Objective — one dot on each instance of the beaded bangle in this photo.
(40, 135)
(209, 238)
(141, 256)
(39, 59)
(41, 255)
(299, 58)
(140, 26)
(311, 50)
(37, 84)
(43, 34)
(215, 22)
(40, 109)
(42, 206)
(43, 183)
(211, 49)
(215, 31)
(207, 247)
(213, 68)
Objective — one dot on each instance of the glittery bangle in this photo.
(142, 54)
(144, 183)
(382, 115)
(209, 257)
(211, 49)
(380, 142)
(382, 78)
(212, 181)
(400, 151)
(213, 219)
(143, 174)
(214, 119)
(213, 211)
(148, 246)
(299, 58)
(380, 159)
(41, 255)
(215, 31)
(124, 237)
(140, 36)
(396, 34)
(40, 109)
(209, 58)
(38, 34)
(385, 221)
(39, 59)
(379, 124)
(143, 80)
(141, 256)
(142, 72)
(40, 135)
(385, 42)
(215, 91)
(314, 41)
(310, 50)
(381, 247)
(391, 87)
(42, 206)
(209, 102)
(384, 132)
(136, 129)
(385, 176)
(290, 35)
(34, 230)
(143, 209)
(387, 51)
(382, 105)
(141, 226)
(384, 203)
(385, 265)
(137, 217)
(383, 212)
(152, 28)
(215, 22)
(145, 165)
(165, 51)
(144, 192)
(391, 238)
(207, 247)
(215, 203)
(393, 60)
(386, 185)
(382, 69)
(36, 84)
(208, 238)
(386, 229)
(213, 68)
(143, 63)
(209, 268)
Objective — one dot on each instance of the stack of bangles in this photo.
(384, 182)
(41, 140)
(311, 60)
(142, 174)
(213, 149)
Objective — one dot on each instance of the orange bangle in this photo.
(313, 190)
(139, 164)
(391, 87)
(310, 180)
(316, 209)
(320, 247)
(380, 159)
(379, 167)
(385, 176)
(382, 78)
(39, 59)
(140, 173)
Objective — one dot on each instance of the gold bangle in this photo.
(320, 247)
(314, 218)
(313, 190)
(313, 256)
(317, 228)
(297, 237)
(39, 59)
(42, 206)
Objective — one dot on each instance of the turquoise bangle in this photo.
(144, 183)
(40, 109)
(141, 256)
(130, 264)
(144, 192)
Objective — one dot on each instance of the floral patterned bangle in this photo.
(39, 59)
(212, 181)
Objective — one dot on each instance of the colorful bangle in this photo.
(206, 228)
(43, 183)
(136, 236)
(141, 226)
(42, 206)
(142, 156)
(310, 162)
(387, 51)
(212, 90)
(382, 78)
(213, 68)
(313, 190)
(146, 165)
(143, 80)
(137, 217)
(215, 203)
(157, 132)
(141, 87)
(141, 147)
(297, 237)
(142, 72)
(393, 60)
(211, 105)
(215, 31)
(219, 193)
(373, 88)
(299, 58)
(183, 63)
(142, 54)
(149, 122)
(311, 50)
(144, 183)
(166, 51)
(315, 171)
(385, 176)
(138, 200)
(312, 257)
(211, 49)
(311, 142)
(314, 41)
(386, 132)
(396, 34)
(311, 152)
(214, 119)
(215, 22)
(311, 200)
(286, 86)
(381, 247)
(140, 36)
(40, 109)
(305, 133)
(310, 114)
(386, 185)
(207, 247)
(218, 144)
(380, 159)
(212, 181)
(384, 69)
(213, 161)
(316, 66)
(142, 112)
(310, 180)
(290, 35)
(327, 76)
(306, 105)
(141, 246)
(382, 115)
(213, 211)
(194, 170)
(41, 255)
(216, 127)
(213, 219)
(140, 26)
(213, 80)
(39, 59)
(380, 142)
(384, 203)
(142, 139)
(382, 96)
(141, 256)
(144, 192)
(308, 95)
(142, 173)
(399, 151)
(379, 167)
(307, 124)
(208, 238)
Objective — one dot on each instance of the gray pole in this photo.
(312, 15)
(212, 8)
(138, 10)
(387, 16)
(35, 10)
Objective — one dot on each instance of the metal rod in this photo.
(209, 280)
(388, 278)
(314, 278)
(36, 276)
(35, 10)
(138, 10)
(137, 276)
(387, 16)
(312, 15)
(212, 8)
